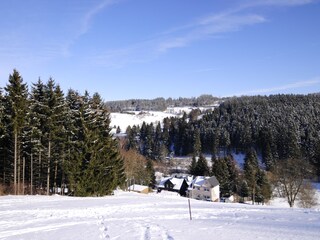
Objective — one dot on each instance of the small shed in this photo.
(139, 188)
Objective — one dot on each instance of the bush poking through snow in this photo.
(307, 196)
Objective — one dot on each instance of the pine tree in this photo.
(244, 190)
(315, 160)
(226, 172)
(16, 109)
(95, 167)
(60, 137)
(151, 180)
(202, 168)
(251, 169)
(263, 191)
(196, 143)
(220, 171)
(37, 120)
(192, 167)
(3, 160)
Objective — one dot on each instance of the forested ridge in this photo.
(277, 127)
(50, 141)
(159, 104)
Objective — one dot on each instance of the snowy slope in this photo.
(154, 216)
(123, 120)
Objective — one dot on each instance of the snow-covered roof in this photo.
(163, 181)
(177, 182)
(201, 180)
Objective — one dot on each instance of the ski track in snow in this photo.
(132, 216)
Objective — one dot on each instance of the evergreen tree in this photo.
(220, 171)
(202, 168)
(263, 190)
(96, 167)
(16, 109)
(226, 172)
(192, 167)
(196, 143)
(37, 119)
(244, 190)
(315, 160)
(251, 170)
(151, 180)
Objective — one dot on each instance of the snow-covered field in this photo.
(128, 215)
(123, 120)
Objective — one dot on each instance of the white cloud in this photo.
(295, 85)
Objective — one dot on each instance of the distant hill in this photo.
(159, 104)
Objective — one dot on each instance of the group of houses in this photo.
(196, 187)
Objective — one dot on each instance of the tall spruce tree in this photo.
(37, 119)
(95, 167)
(251, 170)
(220, 171)
(192, 167)
(202, 168)
(16, 108)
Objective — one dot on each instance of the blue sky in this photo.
(127, 49)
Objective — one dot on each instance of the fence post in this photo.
(189, 209)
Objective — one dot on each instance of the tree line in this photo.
(269, 130)
(159, 104)
(50, 141)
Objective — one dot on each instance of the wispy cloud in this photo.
(283, 88)
(200, 29)
(93, 12)
(230, 20)
(282, 2)
(210, 27)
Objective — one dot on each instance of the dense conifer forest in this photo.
(277, 127)
(50, 141)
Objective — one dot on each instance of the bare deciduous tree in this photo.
(291, 174)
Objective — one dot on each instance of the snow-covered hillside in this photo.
(123, 120)
(155, 216)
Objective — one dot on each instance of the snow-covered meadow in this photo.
(128, 215)
(123, 120)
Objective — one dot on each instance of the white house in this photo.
(205, 188)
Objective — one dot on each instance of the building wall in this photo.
(205, 193)
(215, 194)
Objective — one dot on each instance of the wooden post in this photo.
(189, 209)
